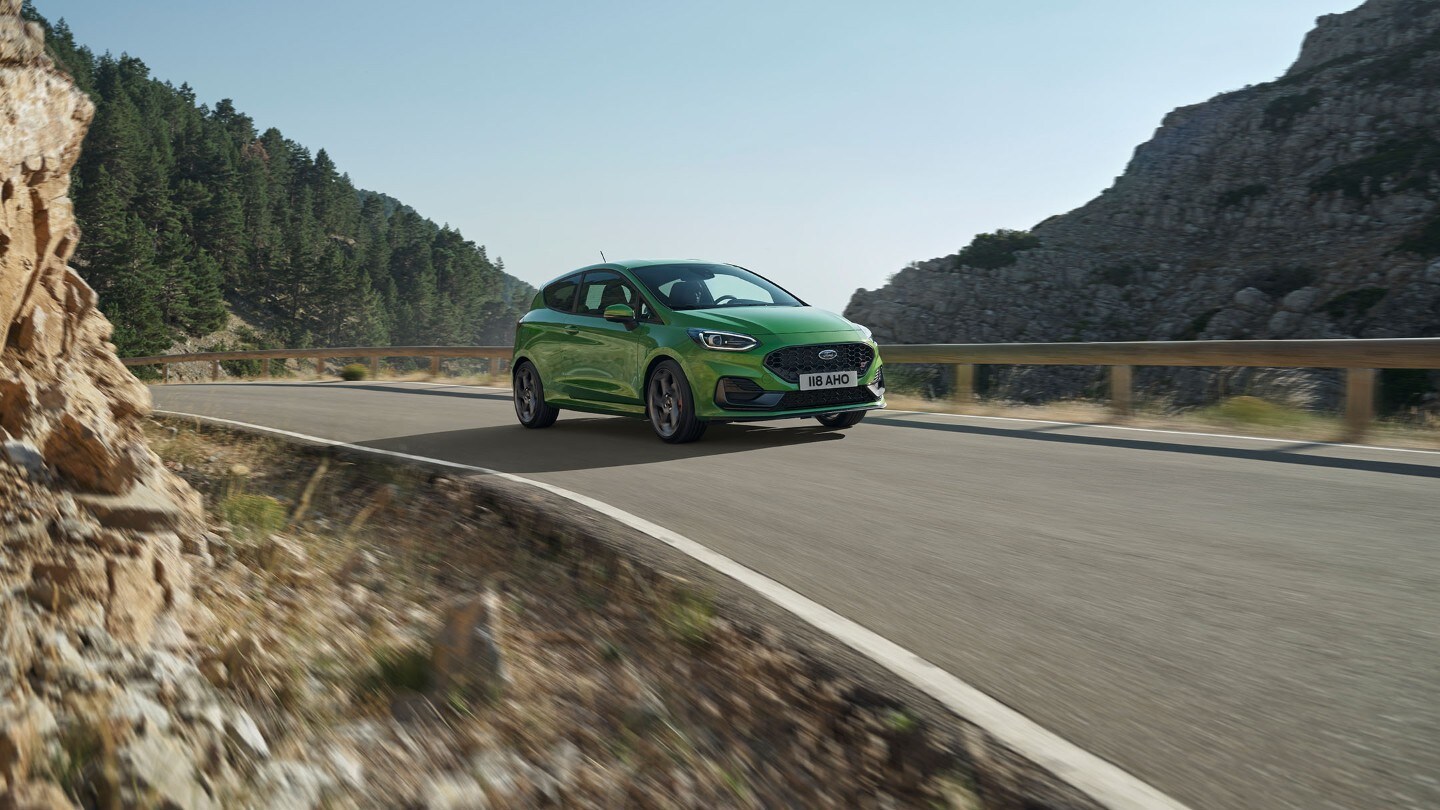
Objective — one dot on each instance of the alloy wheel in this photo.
(525, 393)
(666, 406)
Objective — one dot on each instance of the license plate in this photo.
(829, 379)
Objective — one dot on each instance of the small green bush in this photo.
(1117, 275)
(1257, 411)
(1354, 303)
(354, 372)
(989, 251)
(1278, 282)
(260, 515)
(1425, 241)
(1238, 196)
(1408, 163)
(401, 670)
(689, 619)
(1281, 112)
(1197, 325)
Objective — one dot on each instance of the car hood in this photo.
(769, 320)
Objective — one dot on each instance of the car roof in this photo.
(630, 264)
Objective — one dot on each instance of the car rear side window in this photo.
(561, 295)
(603, 288)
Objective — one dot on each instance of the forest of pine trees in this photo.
(187, 212)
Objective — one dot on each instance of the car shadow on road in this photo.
(593, 443)
(440, 391)
(1284, 456)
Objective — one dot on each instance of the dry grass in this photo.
(663, 701)
(1247, 416)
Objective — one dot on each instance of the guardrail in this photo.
(495, 354)
(1360, 359)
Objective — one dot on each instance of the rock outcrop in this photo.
(1305, 207)
(69, 411)
(91, 524)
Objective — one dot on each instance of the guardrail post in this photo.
(214, 370)
(1359, 401)
(435, 366)
(964, 391)
(319, 367)
(165, 373)
(1121, 386)
(374, 366)
(265, 369)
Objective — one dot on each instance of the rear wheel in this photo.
(841, 420)
(671, 406)
(530, 405)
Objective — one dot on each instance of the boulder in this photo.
(466, 656)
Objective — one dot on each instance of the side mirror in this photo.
(620, 313)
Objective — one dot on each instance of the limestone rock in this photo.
(135, 598)
(35, 796)
(290, 785)
(1299, 191)
(161, 765)
(243, 731)
(69, 411)
(466, 655)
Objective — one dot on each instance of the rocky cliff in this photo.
(1305, 207)
(94, 532)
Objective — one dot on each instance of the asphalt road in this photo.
(1241, 623)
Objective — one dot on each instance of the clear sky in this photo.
(823, 143)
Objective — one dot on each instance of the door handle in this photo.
(572, 330)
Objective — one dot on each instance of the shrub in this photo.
(1197, 325)
(1408, 162)
(260, 515)
(1238, 196)
(354, 372)
(1117, 275)
(689, 618)
(1256, 411)
(1278, 282)
(1354, 303)
(1425, 241)
(1281, 112)
(400, 670)
(989, 251)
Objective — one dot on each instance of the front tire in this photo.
(840, 421)
(530, 406)
(671, 406)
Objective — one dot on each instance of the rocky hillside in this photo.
(1305, 207)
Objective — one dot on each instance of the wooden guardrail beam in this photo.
(1361, 358)
(1375, 353)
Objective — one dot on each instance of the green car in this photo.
(685, 344)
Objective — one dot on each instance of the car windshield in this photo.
(711, 286)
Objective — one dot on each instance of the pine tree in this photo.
(188, 212)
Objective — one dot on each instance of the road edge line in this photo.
(1097, 778)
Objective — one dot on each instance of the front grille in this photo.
(792, 361)
(823, 397)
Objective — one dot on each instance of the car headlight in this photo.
(723, 341)
(864, 330)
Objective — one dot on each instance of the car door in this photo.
(550, 333)
(604, 356)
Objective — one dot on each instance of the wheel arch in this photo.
(655, 360)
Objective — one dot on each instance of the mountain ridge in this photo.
(1304, 207)
(191, 215)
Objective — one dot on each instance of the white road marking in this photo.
(1170, 432)
(1102, 781)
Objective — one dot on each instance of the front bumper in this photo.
(736, 387)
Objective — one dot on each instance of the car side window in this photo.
(603, 288)
(561, 295)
